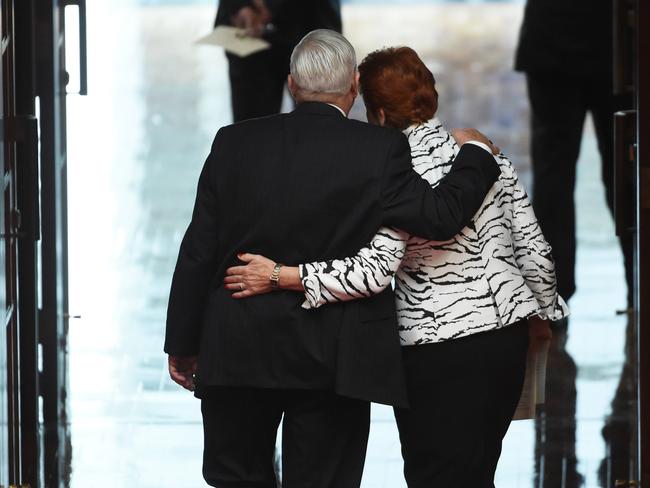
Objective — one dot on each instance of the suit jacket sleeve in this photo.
(195, 267)
(438, 213)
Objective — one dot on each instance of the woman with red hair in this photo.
(462, 305)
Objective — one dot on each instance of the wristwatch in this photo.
(275, 276)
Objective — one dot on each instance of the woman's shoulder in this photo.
(433, 150)
(508, 171)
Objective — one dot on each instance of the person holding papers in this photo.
(257, 81)
(462, 304)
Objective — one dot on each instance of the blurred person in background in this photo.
(566, 52)
(463, 305)
(257, 81)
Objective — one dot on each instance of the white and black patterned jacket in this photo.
(497, 271)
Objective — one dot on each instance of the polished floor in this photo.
(136, 145)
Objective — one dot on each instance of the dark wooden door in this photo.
(10, 471)
(632, 74)
(643, 238)
(34, 436)
(4, 358)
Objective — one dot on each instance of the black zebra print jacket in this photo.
(495, 272)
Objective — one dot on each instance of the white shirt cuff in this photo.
(481, 145)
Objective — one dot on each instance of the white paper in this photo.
(235, 41)
(532, 393)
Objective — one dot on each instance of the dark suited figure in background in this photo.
(566, 51)
(257, 81)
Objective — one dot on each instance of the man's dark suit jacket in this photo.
(292, 18)
(568, 37)
(309, 185)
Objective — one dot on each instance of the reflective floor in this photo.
(136, 147)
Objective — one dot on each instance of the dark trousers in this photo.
(462, 393)
(257, 83)
(324, 438)
(559, 104)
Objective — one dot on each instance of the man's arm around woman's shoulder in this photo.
(409, 202)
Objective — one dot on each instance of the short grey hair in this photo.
(323, 62)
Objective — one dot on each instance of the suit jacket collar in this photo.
(317, 108)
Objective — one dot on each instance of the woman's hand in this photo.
(253, 19)
(251, 279)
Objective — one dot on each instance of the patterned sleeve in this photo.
(532, 251)
(367, 273)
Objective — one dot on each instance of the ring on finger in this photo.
(241, 286)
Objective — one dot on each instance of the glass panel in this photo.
(156, 101)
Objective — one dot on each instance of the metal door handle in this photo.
(83, 48)
(624, 157)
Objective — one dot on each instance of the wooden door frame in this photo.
(10, 240)
(643, 234)
(51, 80)
(28, 203)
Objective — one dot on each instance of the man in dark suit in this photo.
(302, 186)
(257, 81)
(565, 49)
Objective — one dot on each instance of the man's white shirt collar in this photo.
(481, 145)
(339, 109)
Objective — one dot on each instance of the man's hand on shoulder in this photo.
(463, 136)
(182, 370)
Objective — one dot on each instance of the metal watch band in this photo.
(275, 276)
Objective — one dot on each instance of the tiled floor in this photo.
(136, 146)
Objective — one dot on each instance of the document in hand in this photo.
(235, 41)
(532, 393)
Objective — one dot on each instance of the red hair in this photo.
(396, 80)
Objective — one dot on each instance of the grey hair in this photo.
(323, 62)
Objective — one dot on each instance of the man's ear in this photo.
(354, 89)
(291, 84)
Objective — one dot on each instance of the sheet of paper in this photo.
(234, 40)
(533, 391)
